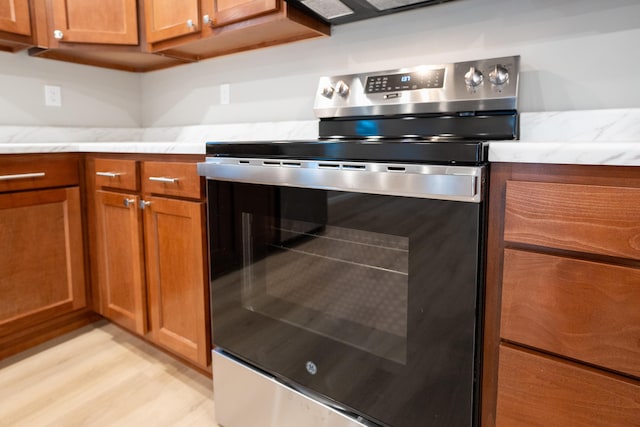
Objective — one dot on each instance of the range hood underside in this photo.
(343, 11)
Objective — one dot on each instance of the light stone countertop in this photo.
(594, 137)
(104, 147)
(574, 153)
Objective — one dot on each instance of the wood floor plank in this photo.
(102, 376)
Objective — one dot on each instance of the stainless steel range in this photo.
(347, 272)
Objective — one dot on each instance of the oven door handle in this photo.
(458, 183)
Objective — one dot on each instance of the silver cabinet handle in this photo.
(58, 35)
(128, 202)
(206, 20)
(143, 204)
(163, 179)
(22, 176)
(190, 23)
(109, 174)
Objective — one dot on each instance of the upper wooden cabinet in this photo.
(102, 22)
(231, 26)
(15, 17)
(146, 35)
(105, 33)
(230, 11)
(15, 25)
(167, 19)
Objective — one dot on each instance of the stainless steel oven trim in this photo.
(456, 183)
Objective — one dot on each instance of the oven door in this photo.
(369, 300)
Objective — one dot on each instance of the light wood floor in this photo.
(102, 376)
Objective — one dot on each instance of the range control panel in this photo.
(429, 79)
(480, 85)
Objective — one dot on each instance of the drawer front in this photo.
(585, 218)
(179, 179)
(535, 390)
(580, 309)
(26, 173)
(117, 173)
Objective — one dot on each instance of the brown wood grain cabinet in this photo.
(167, 19)
(229, 11)
(102, 22)
(15, 25)
(145, 35)
(106, 33)
(539, 390)
(176, 276)
(151, 251)
(120, 260)
(230, 26)
(562, 324)
(42, 264)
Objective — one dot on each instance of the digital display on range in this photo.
(430, 79)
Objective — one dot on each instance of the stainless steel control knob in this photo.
(499, 75)
(342, 89)
(327, 91)
(473, 77)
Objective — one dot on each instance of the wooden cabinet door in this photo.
(176, 276)
(229, 11)
(120, 260)
(102, 22)
(42, 258)
(538, 390)
(14, 17)
(166, 19)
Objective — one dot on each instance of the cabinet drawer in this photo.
(585, 218)
(535, 390)
(179, 179)
(580, 309)
(27, 172)
(117, 173)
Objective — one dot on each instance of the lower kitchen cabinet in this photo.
(175, 248)
(562, 325)
(151, 252)
(120, 260)
(42, 275)
(539, 390)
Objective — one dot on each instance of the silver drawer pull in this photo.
(163, 179)
(109, 174)
(21, 176)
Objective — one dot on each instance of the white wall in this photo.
(576, 54)
(91, 96)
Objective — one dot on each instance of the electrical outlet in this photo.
(52, 96)
(225, 93)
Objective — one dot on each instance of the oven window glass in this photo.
(346, 284)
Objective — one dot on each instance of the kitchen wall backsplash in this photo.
(610, 125)
(576, 55)
(300, 130)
